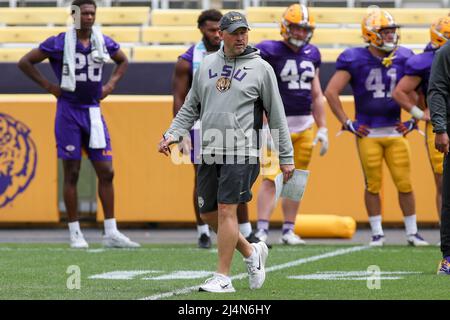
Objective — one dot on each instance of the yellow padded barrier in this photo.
(346, 15)
(178, 17)
(170, 34)
(36, 35)
(324, 226)
(123, 15)
(157, 53)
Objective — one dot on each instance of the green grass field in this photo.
(42, 271)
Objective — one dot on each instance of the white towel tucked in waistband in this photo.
(97, 138)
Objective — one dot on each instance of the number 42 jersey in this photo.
(372, 84)
(295, 72)
(88, 74)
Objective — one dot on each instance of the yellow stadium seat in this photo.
(123, 15)
(403, 16)
(122, 34)
(170, 34)
(158, 53)
(174, 17)
(27, 34)
(12, 54)
(34, 16)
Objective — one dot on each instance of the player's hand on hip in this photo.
(107, 89)
(407, 126)
(360, 130)
(441, 142)
(288, 171)
(322, 136)
(164, 143)
(54, 90)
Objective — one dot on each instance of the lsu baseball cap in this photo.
(232, 21)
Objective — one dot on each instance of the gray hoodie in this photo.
(229, 96)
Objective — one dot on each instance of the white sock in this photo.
(74, 227)
(252, 256)
(245, 228)
(410, 224)
(375, 225)
(263, 224)
(203, 229)
(110, 226)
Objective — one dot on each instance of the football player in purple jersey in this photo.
(296, 63)
(77, 62)
(417, 75)
(373, 73)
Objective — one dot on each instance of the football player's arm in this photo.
(26, 64)
(121, 67)
(405, 95)
(180, 84)
(335, 86)
(318, 111)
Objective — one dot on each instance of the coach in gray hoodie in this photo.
(230, 92)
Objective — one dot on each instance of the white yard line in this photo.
(270, 269)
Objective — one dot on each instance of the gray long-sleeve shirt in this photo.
(229, 96)
(439, 89)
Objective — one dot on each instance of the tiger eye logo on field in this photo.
(18, 158)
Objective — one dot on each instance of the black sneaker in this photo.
(204, 242)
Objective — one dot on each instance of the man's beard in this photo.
(209, 46)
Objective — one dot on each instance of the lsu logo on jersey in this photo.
(18, 158)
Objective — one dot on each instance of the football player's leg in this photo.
(437, 163)
(204, 237)
(303, 147)
(398, 160)
(370, 153)
(245, 227)
(270, 168)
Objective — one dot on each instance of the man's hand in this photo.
(107, 89)
(407, 126)
(441, 142)
(288, 171)
(164, 143)
(54, 89)
(360, 130)
(322, 136)
(185, 146)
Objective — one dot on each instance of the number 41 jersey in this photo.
(373, 83)
(295, 72)
(88, 74)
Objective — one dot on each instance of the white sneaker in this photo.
(290, 238)
(255, 266)
(118, 240)
(262, 235)
(218, 284)
(77, 241)
(416, 240)
(377, 241)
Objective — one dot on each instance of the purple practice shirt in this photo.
(295, 72)
(420, 66)
(88, 73)
(373, 83)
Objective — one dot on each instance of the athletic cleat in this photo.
(262, 235)
(217, 284)
(119, 240)
(256, 266)
(416, 240)
(444, 267)
(77, 241)
(252, 238)
(377, 241)
(290, 238)
(204, 242)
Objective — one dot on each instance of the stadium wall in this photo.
(149, 188)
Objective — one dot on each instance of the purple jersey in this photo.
(373, 83)
(295, 72)
(88, 73)
(188, 56)
(420, 66)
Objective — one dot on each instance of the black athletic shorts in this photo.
(225, 183)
